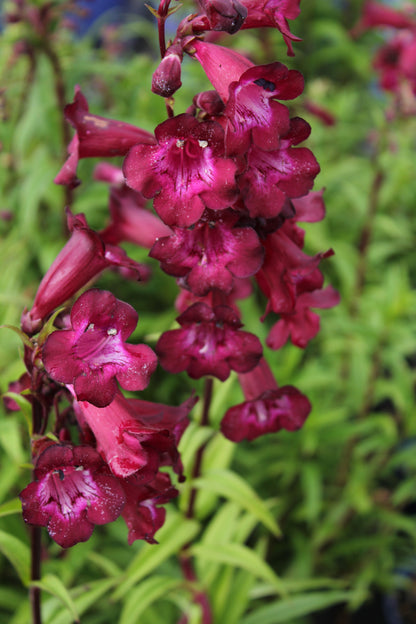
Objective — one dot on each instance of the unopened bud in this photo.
(224, 15)
(167, 77)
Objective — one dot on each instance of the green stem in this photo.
(34, 592)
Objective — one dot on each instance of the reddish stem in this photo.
(188, 571)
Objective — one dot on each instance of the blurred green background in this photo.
(343, 489)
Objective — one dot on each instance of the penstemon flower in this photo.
(266, 409)
(211, 253)
(83, 258)
(93, 353)
(73, 491)
(186, 170)
(210, 342)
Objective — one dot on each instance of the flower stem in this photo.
(35, 532)
(34, 592)
(199, 597)
(196, 471)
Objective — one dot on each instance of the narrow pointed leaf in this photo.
(174, 534)
(239, 556)
(150, 590)
(53, 585)
(295, 607)
(11, 507)
(229, 485)
(18, 553)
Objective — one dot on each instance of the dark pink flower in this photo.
(396, 62)
(273, 13)
(302, 324)
(266, 408)
(253, 115)
(73, 491)
(273, 176)
(375, 14)
(209, 342)
(185, 172)
(285, 265)
(82, 258)
(127, 442)
(160, 416)
(93, 353)
(211, 253)
(221, 65)
(96, 136)
(130, 220)
(310, 208)
(142, 513)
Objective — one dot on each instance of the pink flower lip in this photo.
(185, 172)
(93, 354)
(209, 342)
(73, 491)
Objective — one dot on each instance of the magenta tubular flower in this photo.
(160, 416)
(127, 443)
(130, 220)
(73, 491)
(253, 115)
(272, 177)
(267, 408)
(142, 513)
(209, 342)
(93, 354)
(285, 265)
(221, 65)
(274, 14)
(185, 172)
(396, 62)
(82, 258)
(96, 136)
(375, 14)
(302, 324)
(211, 253)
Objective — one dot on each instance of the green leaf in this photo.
(239, 556)
(11, 507)
(23, 337)
(231, 486)
(295, 607)
(83, 597)
(18, 553)
(176, 532)
(240, 593)
(53, 585)
(150, 590)
(25, 408)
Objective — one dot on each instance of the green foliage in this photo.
(290, 524)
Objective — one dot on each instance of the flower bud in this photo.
(224, 15)
(167, 77)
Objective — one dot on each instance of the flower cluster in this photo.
(396, 59)
(230, 182)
